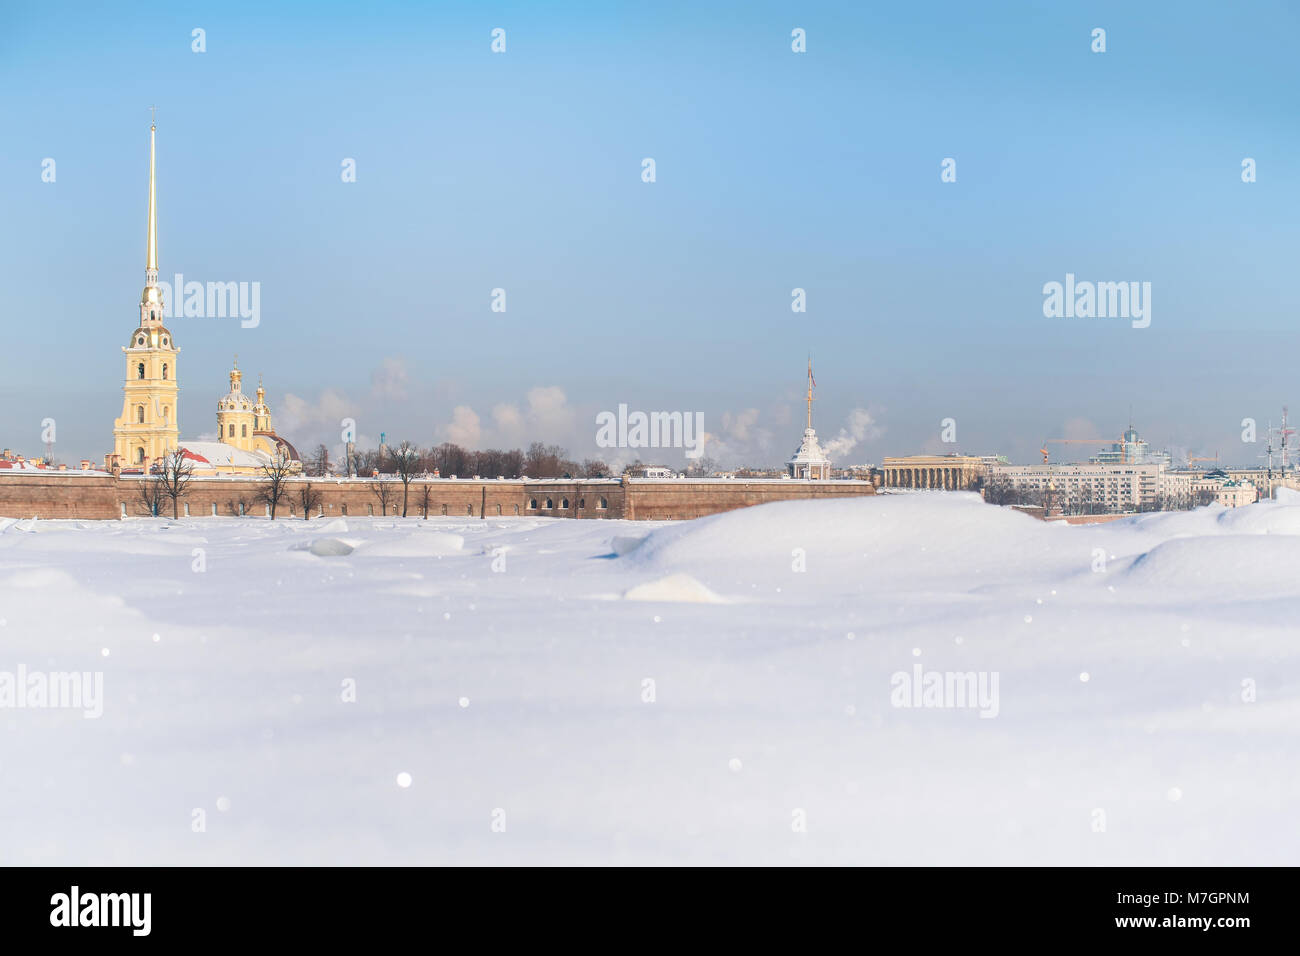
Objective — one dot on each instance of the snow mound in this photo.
(335, 526)
(40, 578)
(330, 547)
(877, 543)
(432, 544)
(1234, 566)
(676, 589)
(626, 543)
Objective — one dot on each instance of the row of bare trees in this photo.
(169, 480)
(447, 459)
(169, 483)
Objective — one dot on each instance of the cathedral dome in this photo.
(154, 337)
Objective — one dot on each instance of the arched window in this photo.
(549, 504)
(582, 503)
(139, 414)
(244, 430)
(564, 503)
(139, 370)
(167, 414)
(164, 371)
(153, 314)
(139, 456)
(232, 432)
(602, 504)
(532, 504)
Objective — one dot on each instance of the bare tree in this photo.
(406, 464)
(450, 459)
(425, 494)
(175, 477)
(308, 498)
(594, 468)
(365, 463)
(383, 491)
(318, 465)
(275, 481)
(701, 467)
(152, 494)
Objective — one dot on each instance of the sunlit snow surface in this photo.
(504, 716)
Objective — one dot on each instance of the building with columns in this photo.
(934, 472)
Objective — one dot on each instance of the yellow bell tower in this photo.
(148, 428)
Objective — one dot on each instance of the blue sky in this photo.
(775, 170)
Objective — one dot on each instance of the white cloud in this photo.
(509, 420)
(859, 427)
(296, 415)
(549, 413)
(465, 429)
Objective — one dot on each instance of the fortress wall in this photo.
(29, 494)
(673, 498)
(70, 495)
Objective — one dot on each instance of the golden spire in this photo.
(151, 263)
(151, 299)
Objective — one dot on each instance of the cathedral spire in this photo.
(151, 263)
(151, 303)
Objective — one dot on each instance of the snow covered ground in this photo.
(726, 691)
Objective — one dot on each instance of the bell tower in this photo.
(148, 429)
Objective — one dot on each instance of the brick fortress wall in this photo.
(89, 496)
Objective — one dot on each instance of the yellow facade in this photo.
(147, 429)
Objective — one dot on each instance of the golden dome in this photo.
(151, 295)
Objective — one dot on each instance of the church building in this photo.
(809, 461)
(149, 428)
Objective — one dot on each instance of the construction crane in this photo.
(1085, 441)
(1215, 459)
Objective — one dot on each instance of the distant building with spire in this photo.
(809, 461)
(149, 427)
